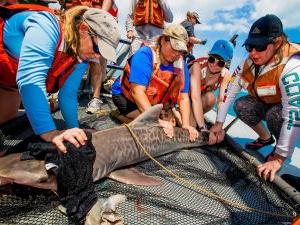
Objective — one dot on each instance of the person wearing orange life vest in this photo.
(97, 69)
(207, 75)
(271, 74)
(157, 74)
(145, 21)
(41, 54)
(107, 5)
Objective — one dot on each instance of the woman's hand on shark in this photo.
(218, 132)
(75, 136)
(167, 127)
(212, 138)
(194, 134)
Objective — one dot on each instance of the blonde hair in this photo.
(279, 52)
(71, 20)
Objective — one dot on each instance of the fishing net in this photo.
(210, 172)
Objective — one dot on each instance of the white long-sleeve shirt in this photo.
(289, 85)
(147, 31)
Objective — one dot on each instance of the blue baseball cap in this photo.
(222, 48)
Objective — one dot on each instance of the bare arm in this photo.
(196, 95)
(195, 40)
(185, 110)
(184, 107)
(107, 4)
(129, 17)
(138, 93)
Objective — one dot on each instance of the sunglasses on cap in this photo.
(212, 59)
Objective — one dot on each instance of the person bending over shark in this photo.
(157, 74)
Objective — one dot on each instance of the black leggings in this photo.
(251, 111)
(124, 105)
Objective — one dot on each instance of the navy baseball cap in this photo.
(264, 30)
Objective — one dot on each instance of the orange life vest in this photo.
(62, 66)
(93, 3)
(266, 86)
(296, 221)
(164, 86)
(203, 65)
(148, 11)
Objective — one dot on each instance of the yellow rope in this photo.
(196, 187)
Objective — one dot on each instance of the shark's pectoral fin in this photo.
(133, 176)
(49, 184)
(28, 172)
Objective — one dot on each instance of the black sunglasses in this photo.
(258, 48)
(212, 59)
(95, 48)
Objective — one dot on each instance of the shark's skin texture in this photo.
(115, 148)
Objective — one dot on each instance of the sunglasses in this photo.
(258, 48)
(95, 48)
(212, 59)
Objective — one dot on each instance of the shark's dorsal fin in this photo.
(149, 116)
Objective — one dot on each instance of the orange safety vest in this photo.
(148, 11)
(203, 65)
(164, 86)
(62, 66)
(266, 86)
(93, 3)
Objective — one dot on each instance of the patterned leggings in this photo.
(251, 111)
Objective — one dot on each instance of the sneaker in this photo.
(94, 106)
(259, 143)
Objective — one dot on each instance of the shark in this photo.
(116, 150)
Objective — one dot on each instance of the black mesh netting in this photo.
(172, 203)
(218, 170)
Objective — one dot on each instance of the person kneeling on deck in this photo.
(41, 54)
(271, 76)
(207, 75)
(154, 75)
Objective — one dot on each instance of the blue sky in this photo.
(223, 18)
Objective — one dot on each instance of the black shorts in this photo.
(124, 105)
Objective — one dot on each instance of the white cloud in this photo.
(207, 9)
(286, 10)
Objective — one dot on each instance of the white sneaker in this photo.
(94, 106)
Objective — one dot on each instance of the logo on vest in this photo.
(256, 31)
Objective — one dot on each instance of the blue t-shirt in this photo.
(32, 37)
(141, 67)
